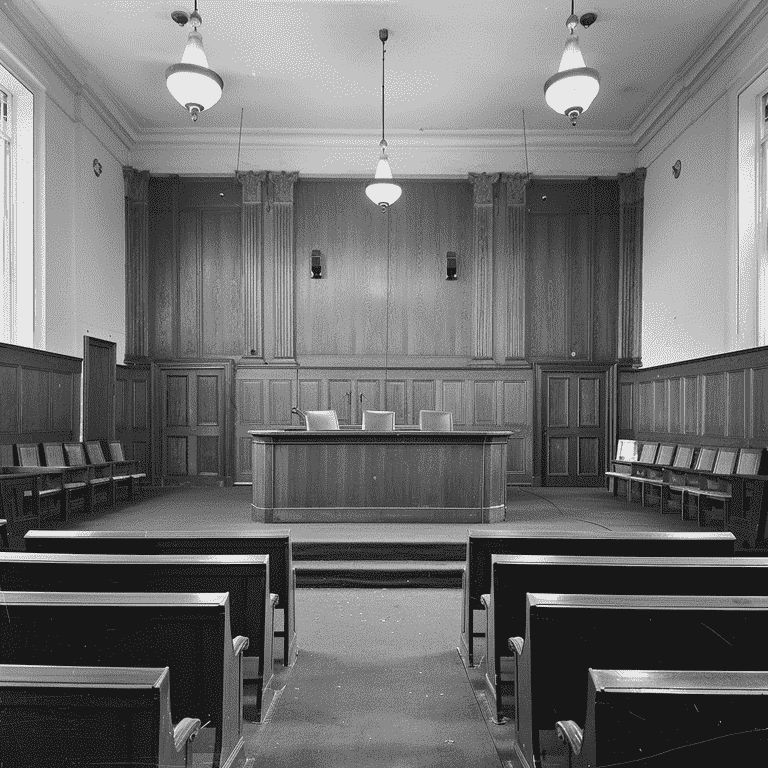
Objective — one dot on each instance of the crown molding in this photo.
(698, 68)
(71, 69)
(567, 140)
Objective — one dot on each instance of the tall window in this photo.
(762, 222)
(17, 205)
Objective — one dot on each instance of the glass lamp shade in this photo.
(192, 83)
(571, 91)
(383, 193)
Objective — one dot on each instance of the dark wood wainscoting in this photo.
(133, 414)
(573, 408)
(720, 400)
(478, 399)
(192, 423)
(39, 396)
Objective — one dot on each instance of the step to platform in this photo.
(378, 573)
(381, 550)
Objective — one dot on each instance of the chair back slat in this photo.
(94, 452)
(648, 454)
(726, 461)
(6, 455)
(116, 451)
(706, 460)
(321, 420)
(436, 421)
(665, 454)
(379, 421)
(75, 454)
(626, 450)
(749, 461)
(683, 457)
(29, 455)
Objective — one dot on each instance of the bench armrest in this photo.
(184, 731)
(570, 733)
(486, 601)
(273, 599)
(515, 644)
(239, 644)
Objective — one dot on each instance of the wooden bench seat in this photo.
(58, 717)
(99, 475)
(275, 543)
(566, 635)
(245, 577)
(481, 544)
(515, 575)
(668, 719)
(189, 633)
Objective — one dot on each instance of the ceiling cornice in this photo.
(83, 81)
(698, 68)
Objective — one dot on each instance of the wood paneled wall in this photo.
(39, 396)
(133, 414)
(720, 400)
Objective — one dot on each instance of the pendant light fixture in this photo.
(574, 87)
(192, 83)
(381, 191)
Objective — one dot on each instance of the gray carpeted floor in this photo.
(378, 682)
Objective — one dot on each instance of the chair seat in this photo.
(71, 486)
(123, 477)
(618, 474)
(99, 480)
(714, 494)
(138, 475)
(49, 491)
(684, 488)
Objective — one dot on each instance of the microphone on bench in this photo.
(299, 413)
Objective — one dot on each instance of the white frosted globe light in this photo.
(383, 193)
(192, 83)
(573, 89)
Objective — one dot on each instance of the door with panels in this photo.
(573, 427)
(192, 424)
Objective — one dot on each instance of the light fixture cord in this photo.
(525, 144)
(383, 51)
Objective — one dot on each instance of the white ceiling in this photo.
(470, 65)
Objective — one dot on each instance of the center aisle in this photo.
(378, 682)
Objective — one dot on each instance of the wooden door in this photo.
(98, 389)
(192, 428)
(133, 427)
(573, 419)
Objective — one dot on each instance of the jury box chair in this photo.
(318, 421)
(436, 421)
(379, 421)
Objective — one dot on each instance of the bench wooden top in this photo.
(717, 682)
(150, 534)
(82, 677)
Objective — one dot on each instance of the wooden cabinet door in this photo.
(192, 433)
(133, 427)
(573, 428)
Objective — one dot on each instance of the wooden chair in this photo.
(436, 421)
(63, 716)
(656, 476)
(120, 470)
(100, 475)
(379, 421)
(699, 717)
(319, 421)
(715, 487)
(705, 462)
(116, 453)
(627, 454)
(57, 482)
(639, 470)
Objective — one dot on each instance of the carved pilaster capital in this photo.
(281, 186)
(632, 187)
(252, 182)
(136, 184)
(516, 184)
(483, 184)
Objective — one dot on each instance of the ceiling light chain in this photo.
(385, 192)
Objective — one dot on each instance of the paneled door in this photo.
(573, 427)
(192, 424)
(133, 426)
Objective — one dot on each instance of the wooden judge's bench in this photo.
(354, 475)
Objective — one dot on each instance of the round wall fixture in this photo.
(96, 167)
(676, 168)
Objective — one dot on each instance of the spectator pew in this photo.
(57, 717)
(4, 533)
(566, 635)
(275, 543)
(188, 633)
(19, 503)
(481, 544)
(515, 575)
(245, 577)
(668, 719)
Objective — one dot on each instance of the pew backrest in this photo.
(626, 450)
(648, 453)
(683, 457)
(750, 461)
(665, 455)
(725, 461)
(705, 461)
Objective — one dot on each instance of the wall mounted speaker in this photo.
(316, 265)
(451, 267)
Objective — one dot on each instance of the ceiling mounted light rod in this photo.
(381, 191)
(192, 83)
(573, 88)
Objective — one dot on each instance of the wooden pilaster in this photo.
(516, 184)
(136, 265)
